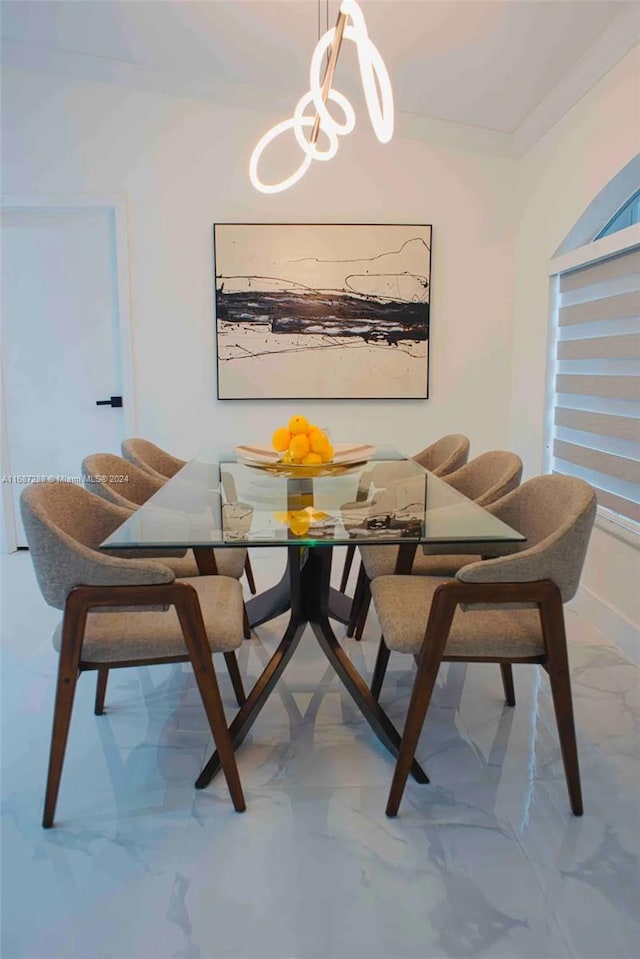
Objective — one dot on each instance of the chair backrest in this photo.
(64, 525)
(444, 456)
(118, 481)
(152, 458)
(556, 514)
(487, 477)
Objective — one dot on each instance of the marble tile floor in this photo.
(486, 861)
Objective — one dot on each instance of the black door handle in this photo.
(112, 401)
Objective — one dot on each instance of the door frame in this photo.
(64, 201)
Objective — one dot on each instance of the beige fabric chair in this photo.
(162, 466)
(504, 610)
(151, 458)
(123, 612)
(104, 474)
(484, 480)
(100, 468)
(444, 456)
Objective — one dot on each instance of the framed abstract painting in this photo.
(322, 311)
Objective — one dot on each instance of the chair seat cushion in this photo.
(229, 562)
(403, 603)
(381, 561)
(116, 636)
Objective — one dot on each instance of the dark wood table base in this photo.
(305, 590)
(277, 600)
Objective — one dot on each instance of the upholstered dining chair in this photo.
(151, 458)
(484, 480)
(444, 456)
(162, 466)
(106, 473)
(505, 610)
(123, 612)
(103, 471)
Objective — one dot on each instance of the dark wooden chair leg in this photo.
(364, 609)
(236, 678)
(248, 572)
(195, 637)
(357, 600)
(507, 682)
(101, 689)
(553, 631)
(72, 633)
(348, 560)
(380, 668)
(439, 623)
(246, 625)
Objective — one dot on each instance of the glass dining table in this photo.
(217, 500)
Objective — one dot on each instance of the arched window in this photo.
(593, 415)
(627, 215)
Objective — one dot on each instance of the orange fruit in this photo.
(280, 439)
(312, 458)
(299, 446)
(298, 424)
(327, 453)
(318, 441)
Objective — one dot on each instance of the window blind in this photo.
(596, 425)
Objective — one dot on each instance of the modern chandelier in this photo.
(377, 91)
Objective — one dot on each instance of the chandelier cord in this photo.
(320, 27)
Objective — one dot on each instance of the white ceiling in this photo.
(486, 63)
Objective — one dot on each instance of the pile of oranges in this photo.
(303, 443)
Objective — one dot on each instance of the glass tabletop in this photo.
(217, 501)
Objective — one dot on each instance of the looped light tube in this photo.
(377, 91)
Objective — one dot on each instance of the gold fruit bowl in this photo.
(346, 457)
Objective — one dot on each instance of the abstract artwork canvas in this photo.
(322, 311)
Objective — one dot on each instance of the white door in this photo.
(61, 298)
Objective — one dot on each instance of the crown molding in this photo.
(612, 45)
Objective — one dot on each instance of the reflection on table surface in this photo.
(216, 501)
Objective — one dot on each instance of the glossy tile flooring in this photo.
(487, 861)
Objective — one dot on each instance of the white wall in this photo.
(182, 163)
(556, 180)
